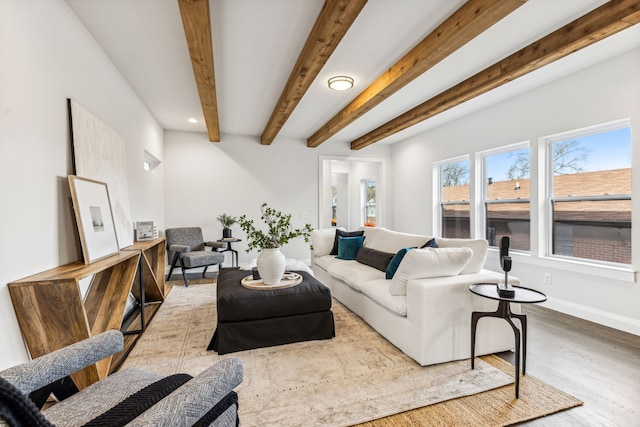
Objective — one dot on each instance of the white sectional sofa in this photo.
(432, 322)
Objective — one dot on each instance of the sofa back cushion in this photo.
(478, 246)
(322, 240)
(392, 241)
(426, 263)
(374, 258)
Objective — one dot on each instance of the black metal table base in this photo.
(234, 253)
(504, 312)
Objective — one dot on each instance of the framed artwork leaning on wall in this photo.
(94, 218)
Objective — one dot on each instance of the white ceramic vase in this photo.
(271, 265)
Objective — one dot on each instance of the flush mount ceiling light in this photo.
(341, 83)
(192, 120)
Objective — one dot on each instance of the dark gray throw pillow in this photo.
(342, 233)
(374, 258)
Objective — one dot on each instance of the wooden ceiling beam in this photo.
(196, 21)
(470, 20)
(335, 18)
(610, 18)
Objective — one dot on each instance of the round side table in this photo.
(522, 296)
(234, 253)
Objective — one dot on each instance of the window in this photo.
(368, 188)
(506, 193)
(454, 199)
(590, 193)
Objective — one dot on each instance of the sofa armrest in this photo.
(322, 240)
(46, 369)
(427, 299)
(186, 405)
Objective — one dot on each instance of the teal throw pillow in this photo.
(348, 247)
(343, 233)
(430, 244)
(395, 262)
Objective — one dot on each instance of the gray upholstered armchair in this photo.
(187, 245)
(131, 396)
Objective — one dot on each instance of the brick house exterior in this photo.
(593, 229)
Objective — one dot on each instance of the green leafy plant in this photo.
(279, 230)
(227, 220)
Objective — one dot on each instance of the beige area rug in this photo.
(354, 378)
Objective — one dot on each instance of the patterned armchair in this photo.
(131, 396)
(187, 245)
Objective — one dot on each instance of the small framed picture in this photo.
(92, 209)
(144, 231)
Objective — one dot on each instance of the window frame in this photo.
(437, 201)
(484, 201)
(548, 186)
(364, 187)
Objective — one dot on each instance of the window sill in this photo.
(624, 274)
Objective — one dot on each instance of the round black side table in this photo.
(522, 296)
(234, 253)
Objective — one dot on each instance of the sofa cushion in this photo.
(348, 247)
(392, 241)
(378, 291)
(343, 233)
(352, 273)
(324, 261)
(428, 262)
(478, 246)
(322, 240)
(395, 262)
(374, 258)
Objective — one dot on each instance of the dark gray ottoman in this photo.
(249, 318)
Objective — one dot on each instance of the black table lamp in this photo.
(505, 290)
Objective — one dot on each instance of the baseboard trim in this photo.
(612, 320)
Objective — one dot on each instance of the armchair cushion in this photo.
(201, 258)
(199, 398)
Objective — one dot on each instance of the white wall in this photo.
(47, 56)
(599, 94)
(235, 176)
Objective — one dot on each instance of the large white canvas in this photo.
(99, 154)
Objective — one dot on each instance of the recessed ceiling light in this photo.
(340, 83)
(192, 120)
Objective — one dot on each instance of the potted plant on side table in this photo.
(226, 221)
(271, 262)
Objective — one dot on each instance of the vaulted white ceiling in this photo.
(257, 42)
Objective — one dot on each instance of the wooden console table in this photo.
(52, 314)
(148, 290)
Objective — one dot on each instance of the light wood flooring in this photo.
(596, 364)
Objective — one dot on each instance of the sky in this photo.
(606, 150)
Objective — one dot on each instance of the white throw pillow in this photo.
(322, 240)
(428, 262)
(478, 246)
